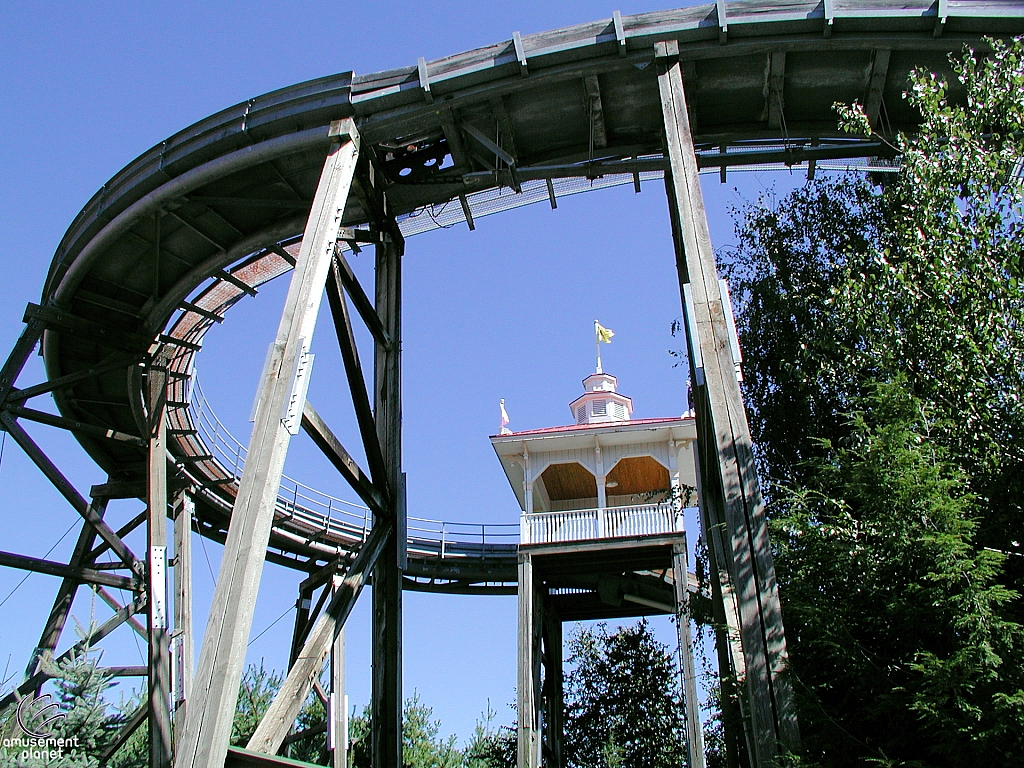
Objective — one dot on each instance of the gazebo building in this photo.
(602, 536)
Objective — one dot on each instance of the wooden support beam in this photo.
(209, 716)
(354, 373)
(344, 275)
(467, 212)
(33, 682)
(74, 572)
(487, 143)
(280, 716)
(110, 363)
(159, 688)
(73, 497)
(337, 709)
(527, 688)
(23, 347)
(192, 226)
(131, 725)
(517, 46)
(92, 430)
(620, 33)
(454, 138)
(774, 80)
(183, 511)
(342, 460)
(64, 321)
(227, 276)
(723, 22)
(283, 253)
(508, 135)
(553, 684)
(421, 67)
(876, 85)
(249, 202)
(65, 593)
(115, 605)
(386, 693)
(941, 14)
(730, 493)
(598, 132)
(691, 702)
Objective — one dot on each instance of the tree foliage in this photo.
(884, 361)
(623, 703)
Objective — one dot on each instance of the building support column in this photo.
(731, 496)
(386, 699)
(209, 717)
(694, 731)
(159, 692)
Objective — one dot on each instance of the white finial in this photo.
(504, 419)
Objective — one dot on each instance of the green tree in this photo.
(622, 701)
(422, 744)
(883, 347)
(894, 614)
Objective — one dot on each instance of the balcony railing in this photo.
(606, 523)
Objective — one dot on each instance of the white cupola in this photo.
(600, 403)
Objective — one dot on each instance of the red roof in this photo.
(582, 427)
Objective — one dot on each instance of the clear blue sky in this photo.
(503, 312)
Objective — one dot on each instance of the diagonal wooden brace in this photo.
(308, 664)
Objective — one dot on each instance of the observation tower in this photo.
(602, 536)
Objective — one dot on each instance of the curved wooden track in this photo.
(172, 241)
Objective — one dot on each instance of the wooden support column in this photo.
(184, 508)
(338, 709)
(731, 495)
(66, 592)
(528, 688)
(386, 697)
(215, 693)
(309, 662)
(553, 684)
(694, 732)
(159, 691)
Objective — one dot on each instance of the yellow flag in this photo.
(603, 334)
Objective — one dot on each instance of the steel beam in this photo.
(209, 717)
(731, 494)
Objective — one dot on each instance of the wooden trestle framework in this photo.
(189, 715)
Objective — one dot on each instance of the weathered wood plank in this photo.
(215, 691)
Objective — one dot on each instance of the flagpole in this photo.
(597, 346)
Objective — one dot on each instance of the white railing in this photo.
(606, 523)
(327, 518)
